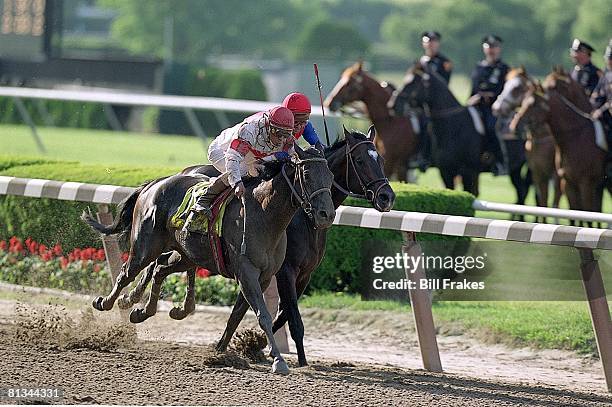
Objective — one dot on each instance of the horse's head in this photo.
(516, 86)
(561, 82)
(311, 185)
(348, 89)
(413, 93)
(534, 109)
(358, 169)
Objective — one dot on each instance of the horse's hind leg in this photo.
(142, 253)
(189, 302)
(167, 263)
(240, 308)
(128, 300)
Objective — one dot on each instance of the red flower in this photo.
(202, 272)
(97, 268)
(57, 250)
(46, 256)
(100, 255)
(3, 245)
(42, 249)
(86, 254)
(63, 262)
(124, 257)
(16, 248)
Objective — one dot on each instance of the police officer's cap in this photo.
(491, 40)
(608, 53)
(430, 36)
(578, 45)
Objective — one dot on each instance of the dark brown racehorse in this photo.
(395, 139)
(269, 205)
(565, 108)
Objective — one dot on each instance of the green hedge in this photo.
(53, 221)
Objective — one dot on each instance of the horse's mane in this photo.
(514, 72)
(272, 168)
(341, 142)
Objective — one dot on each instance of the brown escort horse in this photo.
(540, 148)
(565, 108)
(395, 139)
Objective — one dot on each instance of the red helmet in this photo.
(281, 117)
(297, 103)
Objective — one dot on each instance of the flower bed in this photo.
(84, 270)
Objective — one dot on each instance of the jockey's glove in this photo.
(282, 156)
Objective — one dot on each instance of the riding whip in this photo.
(243, 246)
(316, 70)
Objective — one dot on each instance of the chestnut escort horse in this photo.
(540, 148)
(565, 108)
(395, 139)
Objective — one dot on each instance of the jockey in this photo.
(235, 152)
(300, 106)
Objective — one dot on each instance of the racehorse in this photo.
(456, 141)
(540, 147)
(395, 139)
(564, 107)
(269, 205)
(356, 166)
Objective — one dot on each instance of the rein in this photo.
(368, 193)
(575, 108)
(304, 199)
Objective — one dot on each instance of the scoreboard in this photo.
(26, 27)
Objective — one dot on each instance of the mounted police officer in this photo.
(488, 78)
(601, 98)
(433, 60)
(585, 73)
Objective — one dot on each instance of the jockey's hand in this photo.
(474, 99)
(239, 190)
(282, 156)
(319, 146)
(597, 113)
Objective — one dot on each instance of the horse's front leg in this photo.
(240, 308)
(189, 302)
(251, 288)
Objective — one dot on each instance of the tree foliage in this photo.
(327, 39)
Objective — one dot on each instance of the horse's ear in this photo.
(522, 70)
(346, 132)
(371, 132)
(360, 65)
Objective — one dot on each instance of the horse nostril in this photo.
(323, 214)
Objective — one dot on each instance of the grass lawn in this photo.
(104, 147)
(552, 325)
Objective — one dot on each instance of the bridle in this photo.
(304, 199)
(369, 194)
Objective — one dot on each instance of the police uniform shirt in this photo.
(438, 63)
(587, 76)
(489, 78)
(602, 94)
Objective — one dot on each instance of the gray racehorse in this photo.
(270, 206)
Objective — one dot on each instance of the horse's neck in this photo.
(275, 199)
(441, 97)
(567, 126)
(375, 99)
(540, 132)
(337, 165)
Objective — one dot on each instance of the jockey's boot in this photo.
(204, 203)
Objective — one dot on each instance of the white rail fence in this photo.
(186, 104)
(583, 239)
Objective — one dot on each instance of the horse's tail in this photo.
(123, 222)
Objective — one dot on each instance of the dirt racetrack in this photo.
(98, 360)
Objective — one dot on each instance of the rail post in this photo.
(420, 302)
(599, 310)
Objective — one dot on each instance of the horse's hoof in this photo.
(177, 313)
(97, 303)
(302, 363)
(124, 302)
(280, 366)
(137, 315)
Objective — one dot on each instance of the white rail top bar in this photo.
(351, 216)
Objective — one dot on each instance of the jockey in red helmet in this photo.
(235, 152)
(299, 104)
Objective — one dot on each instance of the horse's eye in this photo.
(359, 160)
